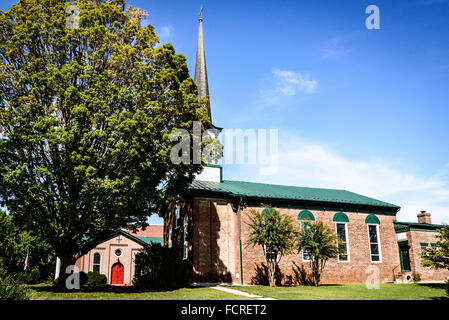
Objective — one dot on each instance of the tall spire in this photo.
(200, 65)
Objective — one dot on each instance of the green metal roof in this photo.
(271, 191)
(149, 240)
(141, 240)
(415, 226)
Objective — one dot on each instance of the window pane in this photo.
(96, 268)
(374, 249)
(305, 255)
(305, 224)
(375, 257)
(373, 234)
(343, 256)
(97, 258)
(341, 231)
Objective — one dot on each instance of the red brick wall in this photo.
(415, 238)
(215, 241)
(214, 250)
(334, 272)
(154, 231)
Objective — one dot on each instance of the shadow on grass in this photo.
(440, 299)
(105, 289)
(433, 285)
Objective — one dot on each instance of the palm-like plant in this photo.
(275, 233)
(320, 243)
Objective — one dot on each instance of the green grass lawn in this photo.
(325, 292)
(43, 292)
(352, 292)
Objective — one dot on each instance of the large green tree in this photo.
(88, 100)
(275, 233)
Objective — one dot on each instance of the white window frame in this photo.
(170, 235)
(302, 251)
(185, 253)
(348, 252)
(95, 264)
(378, 243)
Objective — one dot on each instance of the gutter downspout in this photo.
(240, 243)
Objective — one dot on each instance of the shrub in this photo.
(32, 277)
(159, 267)
(11, 289)
(416, 277)
(95, 280)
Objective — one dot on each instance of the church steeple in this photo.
(200, 65)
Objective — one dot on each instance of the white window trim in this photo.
(93, 261)
(302, 251)
(348, 251)
(378, 243)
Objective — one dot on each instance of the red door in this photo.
(117, 273)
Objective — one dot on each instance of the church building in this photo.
(210, 228)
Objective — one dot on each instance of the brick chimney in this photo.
(424, 217)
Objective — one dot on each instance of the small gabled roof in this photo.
(282, 192)
(415, 226)
(144, 241)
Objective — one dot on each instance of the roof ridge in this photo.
(284, 185)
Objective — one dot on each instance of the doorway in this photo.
(117, 273)
(404, 253)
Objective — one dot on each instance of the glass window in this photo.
(305, 253)
(374, 243)
(96, 262)
(423, 246)
(118, 252)
(342, 241)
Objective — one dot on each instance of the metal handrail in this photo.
(394, 275)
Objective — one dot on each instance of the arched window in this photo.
(341, 225)
(305, 216)
(340, 217)
(268, 211)
(96, 266)
(372, 219)
(373, 223)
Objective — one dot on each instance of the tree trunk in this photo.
(271, 273)
(67, 260)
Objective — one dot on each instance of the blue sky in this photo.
(356, 109)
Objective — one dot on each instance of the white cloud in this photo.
(334, 49)
(285, 83)
(165, 33)
(306, 164)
